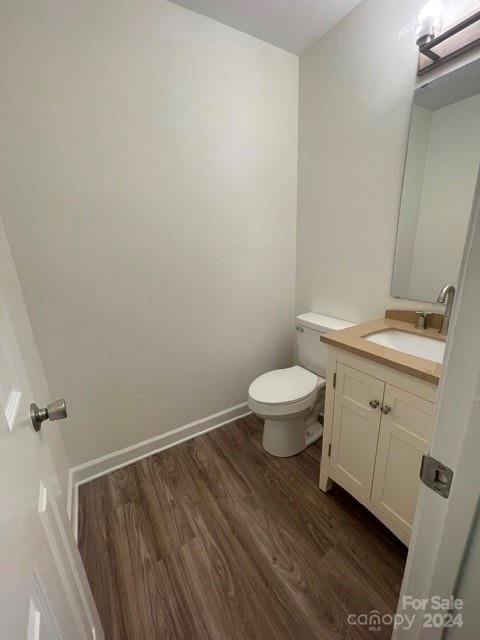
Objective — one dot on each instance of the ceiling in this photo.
(293, 25)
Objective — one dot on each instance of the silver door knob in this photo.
(54, 411)
(374, 403)
(386, 409)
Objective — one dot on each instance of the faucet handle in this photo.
(421, 320)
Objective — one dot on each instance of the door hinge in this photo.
(436, 476)
(334, 380)
(329, 450)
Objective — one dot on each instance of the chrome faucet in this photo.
(446, 295)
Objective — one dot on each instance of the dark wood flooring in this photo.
(215, 539)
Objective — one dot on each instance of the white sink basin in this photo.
(412, 343)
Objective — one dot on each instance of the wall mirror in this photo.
(441, 170)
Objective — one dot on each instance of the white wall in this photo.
(148, 177)
(356, 89)
(450, 175)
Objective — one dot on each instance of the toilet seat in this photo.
(283, 386)
(284, 391)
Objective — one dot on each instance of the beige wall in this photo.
(356, 88)
(148, 176)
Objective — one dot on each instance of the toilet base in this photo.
(289, 436)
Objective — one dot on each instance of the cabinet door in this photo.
(404, 434)
(355, 431)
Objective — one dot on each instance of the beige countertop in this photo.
(353, 340)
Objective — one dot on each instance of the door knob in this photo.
(374, 403)
(54, 411)
(386, 409)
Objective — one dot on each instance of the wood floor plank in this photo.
(350, 523)
(247, 590)
(172, 468)
(168, 525)
(93, 501)
(271, 490)
(189, 613)
(293, 563)
(123, 485)
(214, 539)
(135, 577)
(246, 585)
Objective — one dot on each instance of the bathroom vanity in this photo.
(379, 413)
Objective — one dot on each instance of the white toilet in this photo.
(291, 400)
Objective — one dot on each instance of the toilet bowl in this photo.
(291, 400)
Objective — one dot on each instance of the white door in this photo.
(444, 558)
(404, 434)
(356, 423)
(44, 593)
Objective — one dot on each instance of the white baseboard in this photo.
(106, 464)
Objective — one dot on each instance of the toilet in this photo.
(291, 400)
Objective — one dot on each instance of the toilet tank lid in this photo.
(322, 323)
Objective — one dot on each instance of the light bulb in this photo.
(430, 22)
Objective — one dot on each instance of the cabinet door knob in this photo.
(374, 403)
(386, 409)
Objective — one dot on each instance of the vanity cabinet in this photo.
(402, 440)
(355, 430)
(378, 423)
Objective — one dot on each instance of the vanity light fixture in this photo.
(430, 22)
(436, 46)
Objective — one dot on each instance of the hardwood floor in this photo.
(215, 539)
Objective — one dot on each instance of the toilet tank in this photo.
(311, 353)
